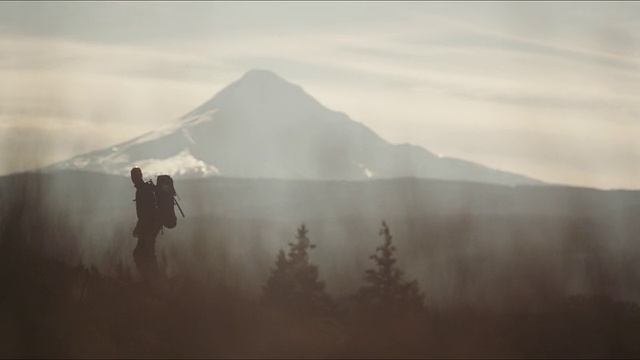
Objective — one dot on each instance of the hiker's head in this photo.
(136, 175)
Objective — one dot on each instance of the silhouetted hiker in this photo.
(147, 228)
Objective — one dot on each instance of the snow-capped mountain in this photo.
(262, 126)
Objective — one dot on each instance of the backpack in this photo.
(165, 200)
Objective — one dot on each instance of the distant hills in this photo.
(480, 243)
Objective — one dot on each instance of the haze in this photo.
(547, 90)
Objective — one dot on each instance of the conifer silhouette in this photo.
(293, 284)
(386, 287)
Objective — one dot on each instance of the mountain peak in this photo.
(263, 83)
(261, 76)
(259, 89)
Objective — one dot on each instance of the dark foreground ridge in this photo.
(506, 272)
(52, 310)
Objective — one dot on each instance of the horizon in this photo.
(536, 89)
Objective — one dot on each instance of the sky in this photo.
(549, 90)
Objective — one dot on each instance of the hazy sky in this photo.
(546, 89)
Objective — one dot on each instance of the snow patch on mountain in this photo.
(367, 172)
(174, 127)
(188, 136)
(181, 164)
(81, 162)
(192, 120)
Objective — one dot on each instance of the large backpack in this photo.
(165, 200)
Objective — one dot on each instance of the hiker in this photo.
(147, 227)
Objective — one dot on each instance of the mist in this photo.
(492, 248)
(251, 171)
(358, 180)
(440, 228)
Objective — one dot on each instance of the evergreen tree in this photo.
(387, 288)
(293, 284)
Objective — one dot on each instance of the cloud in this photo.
(479, 67)
(74, 79)
(493, 69)
(26, 53)
(136, 22)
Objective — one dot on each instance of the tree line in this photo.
(294, 283)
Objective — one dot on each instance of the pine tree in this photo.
(293, 284)
(387, 288)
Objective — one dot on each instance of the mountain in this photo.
(262, 126)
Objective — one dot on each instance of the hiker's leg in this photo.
(139, 256)
(144, 253)
(153, 263)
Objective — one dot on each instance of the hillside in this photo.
(463, 241)
(52, 310)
